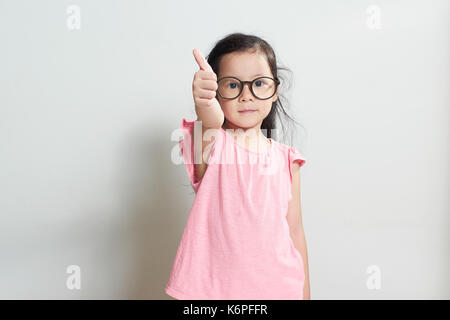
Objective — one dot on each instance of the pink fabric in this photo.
(236, 242)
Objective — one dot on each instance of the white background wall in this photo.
(86, 117)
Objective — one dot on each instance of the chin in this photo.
(246, 124)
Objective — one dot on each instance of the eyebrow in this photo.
(254, 76)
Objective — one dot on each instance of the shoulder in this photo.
(284, 148)
(292, 158)
(291, 153)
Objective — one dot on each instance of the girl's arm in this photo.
(207, 108)
(294, 218)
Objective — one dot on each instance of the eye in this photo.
(258, 83)
(233, 85)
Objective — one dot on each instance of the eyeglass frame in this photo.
(277, 83)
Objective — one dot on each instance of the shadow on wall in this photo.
(151, 185)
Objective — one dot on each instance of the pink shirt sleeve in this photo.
(294, 155)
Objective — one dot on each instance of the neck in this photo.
(252, 133)
(238, 131)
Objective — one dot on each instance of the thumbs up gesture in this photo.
(204, 85)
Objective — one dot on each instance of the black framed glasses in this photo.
(262, 88)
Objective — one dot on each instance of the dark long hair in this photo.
(244, 42)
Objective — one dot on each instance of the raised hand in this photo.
(204, 85)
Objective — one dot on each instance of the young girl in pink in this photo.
(244, 237)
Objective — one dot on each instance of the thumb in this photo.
(201, 61)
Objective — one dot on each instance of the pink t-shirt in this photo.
(236, 243)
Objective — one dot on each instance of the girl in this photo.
(244, 237)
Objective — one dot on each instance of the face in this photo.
(245, 66)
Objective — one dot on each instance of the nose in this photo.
(246, 93)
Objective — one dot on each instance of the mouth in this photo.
(247, 111)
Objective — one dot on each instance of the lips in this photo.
(247, 111)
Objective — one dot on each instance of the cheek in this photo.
(266, 108)
(227, 105)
